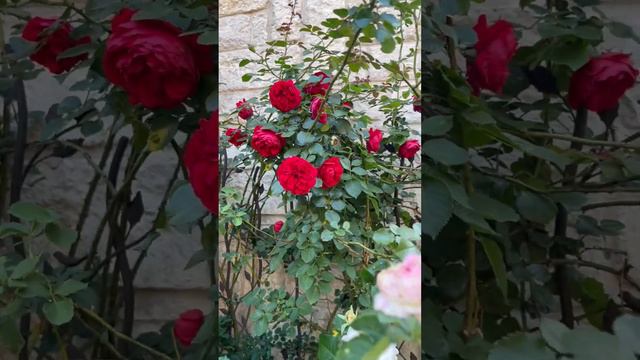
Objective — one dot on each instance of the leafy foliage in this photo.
(509, 182)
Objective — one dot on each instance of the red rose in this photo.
(201, 160)
(245, 109)
(375, 138)
(348, 104)
(317, 111)
(296, 175)
(495, 47)
(202, 54)
(266, 142)
(319, 87)
(284, 95)
(151, 61)
(409, 149)
(277, 227)
(417, 105)
(53, 40)
(186, 327)
(236, 137)
(599, 85)
(330, 172)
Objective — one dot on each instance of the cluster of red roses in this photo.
(295, 174)
(497, 44)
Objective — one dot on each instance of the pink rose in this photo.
(399, 289)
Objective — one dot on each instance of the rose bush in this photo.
(513, 176)
(342, 176)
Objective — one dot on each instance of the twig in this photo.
(120, 335)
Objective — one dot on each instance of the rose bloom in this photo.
(348, 104)
(319, 87)
(317, 111)
(245, 109)
(53, 43)
(495, 47)
(277, 227)
(375, 138)
(186, 327)
(399, 289)
(599, 85)
(409, 149)
(284, 95)
(149, 59)
(296, 175)
(330, 172)
(266, 142)
(236, 137)
(390, 353)
(201, 160)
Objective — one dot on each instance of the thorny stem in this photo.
(472, 304)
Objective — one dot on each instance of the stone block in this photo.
(232, 7)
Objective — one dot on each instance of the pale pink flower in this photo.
(399, 289)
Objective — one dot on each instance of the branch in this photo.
(611, 204)
(120, 335)
(574, 139)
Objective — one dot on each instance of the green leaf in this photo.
(305, 282)
(591, 344)
(445, 152)
(183, 207)
(622, 30)
(338, 205)
(627, 329)
(14, 229)
(307, 254)
(494, 254)
(58, 312)
(327, 347)
(377, 349)
(536, 208)
(24, 268)
(437, 125)
(332, 217)
(438, 207)
(70, 286)
(326, 235)
(304, 138)
(341, 12)
(521, 347)
(571, 53)
(552, 331)
(538, 151)
(492, 209)
(383, 237)
(31, 212)
(77, 50)
(353, 188)
(388, 45)
(61, 236)
(100, 9)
